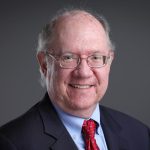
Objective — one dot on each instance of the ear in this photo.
(111, 57)
(42, 62)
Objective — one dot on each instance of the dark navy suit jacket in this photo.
(41, 129)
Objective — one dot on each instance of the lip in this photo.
(81, 86)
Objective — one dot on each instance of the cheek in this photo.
(61, 78)
(102, 76)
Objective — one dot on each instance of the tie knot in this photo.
(88, 128)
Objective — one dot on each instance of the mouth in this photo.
(81, 86)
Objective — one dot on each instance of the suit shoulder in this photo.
(121, 118)
(22, 123)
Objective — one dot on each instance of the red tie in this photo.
(88, 130)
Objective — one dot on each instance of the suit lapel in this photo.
(63, 142)
(59, 138)
(112, 131)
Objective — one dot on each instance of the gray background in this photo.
(20, 23)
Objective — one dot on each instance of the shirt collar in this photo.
(96, 114)
(75, 123)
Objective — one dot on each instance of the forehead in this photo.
(76, 20)
(79, 31)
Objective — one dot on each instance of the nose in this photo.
(83, 70)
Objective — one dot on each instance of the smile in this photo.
(79, 86)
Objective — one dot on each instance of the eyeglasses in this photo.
(71, 60)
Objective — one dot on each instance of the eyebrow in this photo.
(89, 52)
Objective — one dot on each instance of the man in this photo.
(75, 54)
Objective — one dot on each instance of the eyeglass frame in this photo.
(79, 59)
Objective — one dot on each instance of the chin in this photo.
(83, 104)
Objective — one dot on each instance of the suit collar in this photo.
(112, 131)
(54, 128)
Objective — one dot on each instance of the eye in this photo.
(96, 58)
(67, 58)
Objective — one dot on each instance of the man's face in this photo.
(77, 91)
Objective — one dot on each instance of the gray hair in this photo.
(47, 33)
